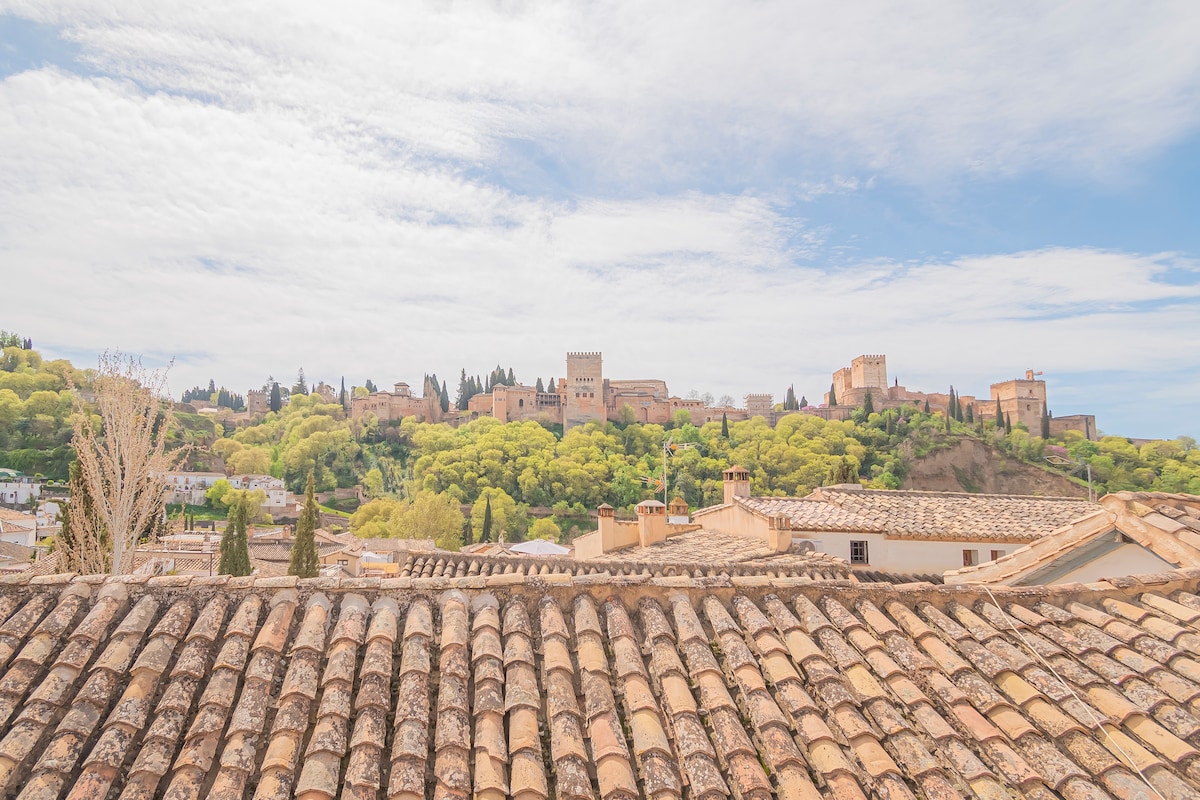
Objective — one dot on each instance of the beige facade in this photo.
(585, 395)
(584, 401)
(1021, 401)
(397, 404)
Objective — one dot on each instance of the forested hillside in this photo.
(528, 465)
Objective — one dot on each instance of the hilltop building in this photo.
(585, 395)
(398, 404)
(1022, 401)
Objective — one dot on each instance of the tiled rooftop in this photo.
(926, 515)
(1166, 524)
(698, 554)
(568, 687)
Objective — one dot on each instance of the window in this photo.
(343, 562)
(996, 554)
(970, 558)
(858, 552)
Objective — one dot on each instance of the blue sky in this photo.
(734, 198)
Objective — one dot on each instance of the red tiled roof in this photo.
(524, 687)
(926, 515)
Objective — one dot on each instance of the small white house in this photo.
(917, 533)
(18, 489)
(18, 527)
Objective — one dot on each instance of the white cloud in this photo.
(260, 189)
(905, 88)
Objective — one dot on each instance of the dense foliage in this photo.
(519, 465)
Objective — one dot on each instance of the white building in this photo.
(18, 489)
(274, 488)
(18, 527)
(189, 487)
(916, 533)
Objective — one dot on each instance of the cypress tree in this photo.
(512, 381)
(342, 393)
(276, 401)
(1045, 424)
(970, 414)
(466, 532)
(724, 425)
(486, 534)
(304, 562)
(803, 401)
(540, 387)
(1007, 424)
(868, 404)
(832, 397)
(445, 398)
(235, 550)
(999, 416)
(926, 405)
(843, 472)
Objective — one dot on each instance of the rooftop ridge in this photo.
(929, 493)
(1187, 578)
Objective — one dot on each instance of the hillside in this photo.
(973, 466)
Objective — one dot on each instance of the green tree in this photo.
(724, 425)
(301, 385)
(789, 402)
(970, 414)
(868, 404)
(486, 534)
(843, 472)
(540, 387)
(832, 396)
(803, 401)
(430, 515)
(276, 400)
(216, 493)
(999, 416)
(1007, 424)
(1045, 424)
(304, 562)
(926, 405)
(343, 400)
(545, 528)
(235, 551)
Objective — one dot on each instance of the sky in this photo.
(734, 197)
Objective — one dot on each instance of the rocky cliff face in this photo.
(972, 466)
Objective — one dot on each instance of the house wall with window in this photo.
(903, 555)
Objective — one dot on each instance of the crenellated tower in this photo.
(585, 389)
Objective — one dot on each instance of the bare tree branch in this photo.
(122, 458)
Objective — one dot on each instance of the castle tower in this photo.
(585, 389)
(869, 372)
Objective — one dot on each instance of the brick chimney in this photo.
(737, 483)
(779, 532)
(652, 522)
(606, 522)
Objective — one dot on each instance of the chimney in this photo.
(737, 483)
(652, 522)
(779, 532)
(606, 522)
(677, 512)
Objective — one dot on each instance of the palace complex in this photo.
(585, 394)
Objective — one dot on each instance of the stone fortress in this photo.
(585, 395)
(1021, 400)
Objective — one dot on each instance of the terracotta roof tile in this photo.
(187, 689)
(926, 515)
